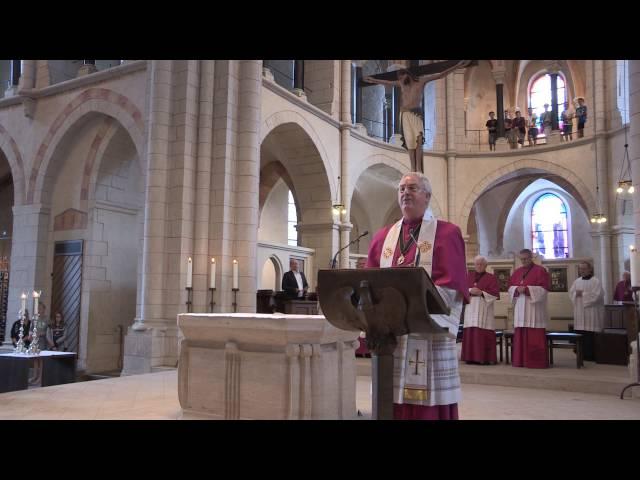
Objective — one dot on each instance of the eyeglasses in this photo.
(411, 188)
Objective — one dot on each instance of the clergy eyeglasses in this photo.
(412, 188)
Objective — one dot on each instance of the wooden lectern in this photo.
(385, 303)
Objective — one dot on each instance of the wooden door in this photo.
(66, 288)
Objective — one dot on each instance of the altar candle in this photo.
(23, 302)
(212, 273)
(235, 273)
(635, 267)
(36, 297)
(189, 273)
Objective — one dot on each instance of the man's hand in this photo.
(578, 293)
(475, 291)
(521, 289)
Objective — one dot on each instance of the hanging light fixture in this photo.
(338, 207)
(625, 184)
(598, 217)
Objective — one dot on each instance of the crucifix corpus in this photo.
(411, 82)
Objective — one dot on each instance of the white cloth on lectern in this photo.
(530, 311)
(588, 310)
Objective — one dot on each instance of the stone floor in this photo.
(154, 396)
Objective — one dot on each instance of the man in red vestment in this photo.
(528, 287)
(447, 263)
(479, 337)
(623, 289)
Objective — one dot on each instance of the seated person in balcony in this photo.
(532, 133)
(294, 283)
(587, 297)
(492, 128)
(623, 289)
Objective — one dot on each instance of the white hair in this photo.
(422, 178)
(480, 257)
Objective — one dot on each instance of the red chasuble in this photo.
(448, 270)
(530, 344)
(479, 344)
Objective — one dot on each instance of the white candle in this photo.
(23, 302)
(635, 267)
(189, 273)
(36, 297)
(235, 273)
(212, 273)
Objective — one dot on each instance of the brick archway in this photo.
(9, 147)
(547, 167)
(93, 100)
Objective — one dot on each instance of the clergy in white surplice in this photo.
(426, 380)
(528, 288)
(587, 297)
(479, 335)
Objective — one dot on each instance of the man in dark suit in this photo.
(294, 282)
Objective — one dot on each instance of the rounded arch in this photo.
(10, 149)
(288, 117)
(298, 161)
(91, 101)
(583, 194)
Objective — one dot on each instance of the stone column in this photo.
(498, 76)
(554, 100)
(298, 78)
(602, 176)
(450, 153)
(88, 66)
(345, 136)
(357, 91)
(247, 179)
(28, 259)
(634, 140)
(139, 338)
(28, 77)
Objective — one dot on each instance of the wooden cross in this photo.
(417, 362)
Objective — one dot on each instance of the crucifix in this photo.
(411, 82)
(417, 361)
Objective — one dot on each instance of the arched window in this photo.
(292, 221)
(540, 93)
(549, 227)
(622, 96)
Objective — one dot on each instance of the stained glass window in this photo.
(540, 94)
(549, 227)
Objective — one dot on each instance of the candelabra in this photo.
(189, 299)
(235, 299)
(34, 348)
(20, 348)
(212, 303)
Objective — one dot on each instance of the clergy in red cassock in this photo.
(426, 380)
(479, 338)
(528, 289)
(623, 289)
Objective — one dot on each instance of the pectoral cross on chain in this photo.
(417, 362)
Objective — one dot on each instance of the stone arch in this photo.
(285, 117)
(303, 166)
(91, 101)
(584, 196)
(9, 147)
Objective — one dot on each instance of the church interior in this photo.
(137, 192)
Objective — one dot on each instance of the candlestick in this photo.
(189, 299)
(235, 299)
(189, 273)
(235, 274)
(212, 303)
(212, 274)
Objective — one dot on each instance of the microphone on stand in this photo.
(335, 257)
